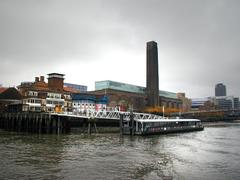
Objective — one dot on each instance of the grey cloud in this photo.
(198, 40)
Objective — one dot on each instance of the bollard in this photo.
(121, 124)
(131, 123)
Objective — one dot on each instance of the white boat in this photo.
(161, 126)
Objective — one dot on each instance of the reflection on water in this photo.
(210, 154)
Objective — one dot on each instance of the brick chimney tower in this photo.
(55, 81)
(152, 89)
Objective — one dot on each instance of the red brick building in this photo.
(47, 97)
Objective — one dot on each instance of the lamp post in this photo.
(163, 111)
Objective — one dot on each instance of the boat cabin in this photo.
(161, 126)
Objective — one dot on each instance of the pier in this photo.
(34, 123)
(57, 123)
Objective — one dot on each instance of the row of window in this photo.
(67, 96)
(55, 102)
(170, 105)
(32, 93)
(33, 101)
(169, 124)
(54, 95)
(32, 108)
(78, 104)
(39, 101)
(49, 95)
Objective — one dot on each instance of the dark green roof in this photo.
(11, 93)
(100, 85)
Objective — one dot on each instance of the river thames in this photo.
(210, 154)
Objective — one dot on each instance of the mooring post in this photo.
(131, 123)
(16, 122)
(47, 125)
(9, 119)
(4, 123)
(1, 118)
(20, 123)
(95, 125)
(51, 119)
(121, 124)
(58, 125)
(36, 124)
(25, 122)
(28, 119)
(33, 122)
(84, 125)
(89, 126)
(54, 124)
(12, 122)
(40, 125)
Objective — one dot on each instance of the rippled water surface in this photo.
(210, 154)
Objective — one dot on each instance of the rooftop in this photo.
(56, 75)
(107, 84)
(2, 89)
(10, 93)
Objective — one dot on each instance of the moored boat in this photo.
(161, 126)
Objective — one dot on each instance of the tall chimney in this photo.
(152, 90)
(42, 78)
(55, 81)
(36, 79)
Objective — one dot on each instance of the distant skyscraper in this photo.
(220, 90)
(152, 74)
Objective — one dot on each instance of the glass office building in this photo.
(220, 90)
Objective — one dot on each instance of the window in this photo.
(67, 96)
(38, 101)
(49, 102)
(37, 108)
(25, 108)
(32, 93)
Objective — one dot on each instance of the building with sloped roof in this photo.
(10, 96)
(128, 95)
(2, 89)
(44, 96)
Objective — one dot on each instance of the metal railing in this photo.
(110, 115)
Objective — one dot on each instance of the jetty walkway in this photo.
(39, 122)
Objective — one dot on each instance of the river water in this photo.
(210, 154)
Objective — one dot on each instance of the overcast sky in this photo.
(93, 40)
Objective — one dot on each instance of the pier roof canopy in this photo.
(2, 89)
(11, 93)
